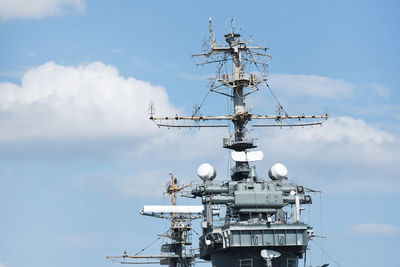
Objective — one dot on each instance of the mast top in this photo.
(237, 85)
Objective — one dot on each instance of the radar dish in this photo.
(268, 254)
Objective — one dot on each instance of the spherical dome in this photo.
(278, 172)
(206, 172)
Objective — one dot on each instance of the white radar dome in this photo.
(206, 172)
(278, 172)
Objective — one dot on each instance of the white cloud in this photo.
(375, 229)
(339, 138)
(28, 9)
(91, 110)
(297, 84)
(185, 144)
(345, 130)
(2, 264)
(345, 155)
(92, 101)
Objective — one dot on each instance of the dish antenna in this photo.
(268, 255)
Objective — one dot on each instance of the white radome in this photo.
(206, 172)
(278, 172)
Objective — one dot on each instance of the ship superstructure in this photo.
(257, 230)
(262, 223)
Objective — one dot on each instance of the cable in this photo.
(211, 87)
(327, 254)
(276, 99)
(272, 93)
(195, 232)
(151, 243)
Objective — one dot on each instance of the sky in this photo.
(79, 157)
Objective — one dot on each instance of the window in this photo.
(292, 262)
(246, 263)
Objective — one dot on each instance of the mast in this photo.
(237, 86)
(241, 83)
(256, 231)
(177, 252)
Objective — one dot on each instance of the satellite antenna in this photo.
(268, 255)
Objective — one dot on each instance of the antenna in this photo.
(176, 252)
(238, 85)
(212, 36)
(255, 213)
(268, 255)
(151, 109)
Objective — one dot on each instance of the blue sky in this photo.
(78, 156)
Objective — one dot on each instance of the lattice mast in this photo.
(177, 252)
(237, 86)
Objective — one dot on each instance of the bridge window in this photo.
(246, 263)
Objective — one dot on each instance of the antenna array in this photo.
(237, 86)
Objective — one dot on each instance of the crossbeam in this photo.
(231, 117)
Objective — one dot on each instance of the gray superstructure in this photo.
(262, 223)
(255, 218)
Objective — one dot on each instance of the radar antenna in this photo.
(237, 86)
